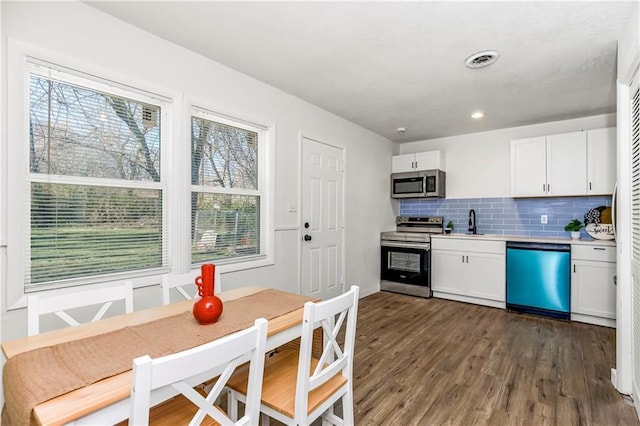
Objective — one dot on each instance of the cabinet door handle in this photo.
(589, 186)
(467, 259)
(574, 268)
(548, 187)
(543, 188)
(462, 258)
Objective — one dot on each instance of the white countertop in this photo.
(522, 238)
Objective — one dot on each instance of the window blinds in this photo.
(95, 183)
(225, 202)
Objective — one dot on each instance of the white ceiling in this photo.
(385, 65)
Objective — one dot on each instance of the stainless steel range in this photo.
(406, 255)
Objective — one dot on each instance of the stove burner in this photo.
(415, 229)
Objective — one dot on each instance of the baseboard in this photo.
(469, 299)
(368, 291)
(589, 319)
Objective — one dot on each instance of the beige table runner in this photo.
(36, 376)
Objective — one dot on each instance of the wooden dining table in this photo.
(107, 400)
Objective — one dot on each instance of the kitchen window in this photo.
(92, 183)
(227, 192)
(90, 194)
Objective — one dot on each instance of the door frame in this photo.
(301, 137)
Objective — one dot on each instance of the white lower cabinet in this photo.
(593, 291)
(468, 270)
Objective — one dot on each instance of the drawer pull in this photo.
(599, 248)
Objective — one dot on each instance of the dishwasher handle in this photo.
(538, 246)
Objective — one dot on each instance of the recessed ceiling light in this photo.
(481, 59)
(401, 129)
(477, 115)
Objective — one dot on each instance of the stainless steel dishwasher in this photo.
(539, 278)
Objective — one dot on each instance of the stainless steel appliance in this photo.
(539, 278)
(405, 265)
(423, 184)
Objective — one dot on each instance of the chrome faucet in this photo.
(472, 222)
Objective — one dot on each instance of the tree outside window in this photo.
(225, 202)
(96, 199)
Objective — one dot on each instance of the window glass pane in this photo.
(223, 156)
(75, 131)
(79, 231)
(224, 226)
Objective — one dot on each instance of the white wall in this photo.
(79, 32)
(478, 164)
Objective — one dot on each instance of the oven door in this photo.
(405, 263)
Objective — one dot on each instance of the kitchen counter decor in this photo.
(599, 224)
(574, 227)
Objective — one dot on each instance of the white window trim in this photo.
(266, 183)
(20, 57)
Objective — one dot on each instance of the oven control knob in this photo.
(307, 237)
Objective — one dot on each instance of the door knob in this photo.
(307, 237)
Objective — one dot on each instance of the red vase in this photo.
(208, 308)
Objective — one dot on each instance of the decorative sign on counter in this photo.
(598, 223)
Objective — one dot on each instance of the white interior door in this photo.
(322, 219)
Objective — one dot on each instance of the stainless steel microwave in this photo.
(424, 184)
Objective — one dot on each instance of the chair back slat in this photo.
(179, 373)
(60, 304)
(67, 318)
(184, 285)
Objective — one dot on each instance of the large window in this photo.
(107, 181)
(226, 188)
(94, 180)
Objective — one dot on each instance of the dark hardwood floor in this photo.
(434, 361)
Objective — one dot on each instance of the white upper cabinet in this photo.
(429, 160)
(601, 165)
(403, 163)
(568, 164)
(529, 167)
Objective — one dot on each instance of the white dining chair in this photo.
(156, 380)
(59, 304)
(184, 285)
(298, 388)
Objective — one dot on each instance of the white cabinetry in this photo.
(529, 167)
(601, 161)
(429, 160)
(468, 270)
(593, 292)
(577, 163)
(567, 164)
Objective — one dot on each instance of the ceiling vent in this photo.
(482, 59)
